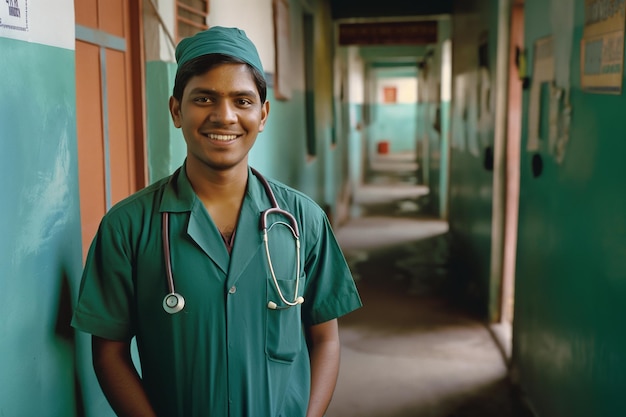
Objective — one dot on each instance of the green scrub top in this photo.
(226, 353)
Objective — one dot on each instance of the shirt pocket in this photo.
(283, 334)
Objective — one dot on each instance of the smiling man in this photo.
(231, 318)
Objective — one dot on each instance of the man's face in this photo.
(220, 115)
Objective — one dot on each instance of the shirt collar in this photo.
(179, 195)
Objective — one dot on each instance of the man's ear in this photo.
(175, 111)
(265, 111)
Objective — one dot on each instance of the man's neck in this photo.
(222, 194)
(214, 186)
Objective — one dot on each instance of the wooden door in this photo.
(109, 107)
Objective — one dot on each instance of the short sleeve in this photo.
(330, 290)
(106, 297)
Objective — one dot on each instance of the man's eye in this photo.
(244, 102)
(202, 99)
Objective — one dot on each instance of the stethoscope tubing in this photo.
(174, 302)
(296, 300)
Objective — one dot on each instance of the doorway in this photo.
(109, 107)
(513, 149)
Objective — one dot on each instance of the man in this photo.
(257, 333)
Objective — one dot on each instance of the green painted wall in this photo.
(436, 124)
(166, 145)
(280, 150)
(422, 139)
(40, 244)
(395, 123)
(474, 23)
(356, 145)
(433, 132)
(571, 263)
(440, 192)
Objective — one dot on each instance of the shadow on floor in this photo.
(411, 350)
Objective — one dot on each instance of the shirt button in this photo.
(232, 290)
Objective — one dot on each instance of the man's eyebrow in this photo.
(236, 93)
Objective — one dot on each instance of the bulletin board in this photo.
(602, 47)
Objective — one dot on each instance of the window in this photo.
(191, 17)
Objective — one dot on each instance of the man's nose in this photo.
(223, 112)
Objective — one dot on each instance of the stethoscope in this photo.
(174, 302)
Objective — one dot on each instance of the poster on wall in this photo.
(39, 21)
(390, 95)
(14, 15)
(602, 47)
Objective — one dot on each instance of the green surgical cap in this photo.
(219, 40)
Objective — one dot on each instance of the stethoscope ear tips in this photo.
(173, 303)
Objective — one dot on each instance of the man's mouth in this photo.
(223, 138)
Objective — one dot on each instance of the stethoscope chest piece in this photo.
(173, 303)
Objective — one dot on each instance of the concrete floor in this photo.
(410, 351)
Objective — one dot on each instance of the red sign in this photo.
(390, 94)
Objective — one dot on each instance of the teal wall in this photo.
(395, 123)
(280, 152)
(356, 145)
(471, 185)
(166, 145)
(444, 162)
(40, 244)
(432, 129)
(436, 125)
(571, 261)
(421, 148)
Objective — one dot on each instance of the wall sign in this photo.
(14, 15)
(390, 94)
(602, 46)
(39, 21)
(388, 33)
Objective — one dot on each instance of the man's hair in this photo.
(202, 64)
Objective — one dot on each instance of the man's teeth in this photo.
(221, 137)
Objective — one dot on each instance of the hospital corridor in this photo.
(412, 350)
(468, 156)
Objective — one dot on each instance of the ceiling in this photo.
(391, 11)
(352, 9)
